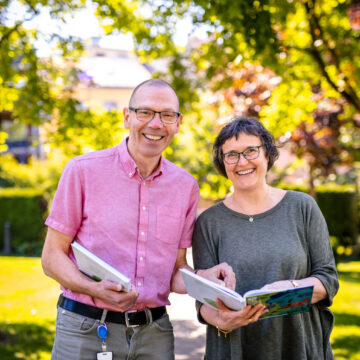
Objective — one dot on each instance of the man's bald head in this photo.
(151, 83)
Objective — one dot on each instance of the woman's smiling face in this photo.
(246, 174)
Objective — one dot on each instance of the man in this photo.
(135, 210)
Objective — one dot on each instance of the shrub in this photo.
(338, 203)
(25, 209)
(339, 206)
(37, 174)
(294, 187)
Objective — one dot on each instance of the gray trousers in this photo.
(76, 339)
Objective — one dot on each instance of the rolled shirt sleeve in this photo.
(68, 201)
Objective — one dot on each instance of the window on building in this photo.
(110, 105)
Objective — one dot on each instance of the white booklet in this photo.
(98, 269)
(278, 301)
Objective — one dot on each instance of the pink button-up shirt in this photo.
(135, 225)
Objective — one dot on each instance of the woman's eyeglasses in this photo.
(251, 153)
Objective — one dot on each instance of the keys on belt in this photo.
(103, 334)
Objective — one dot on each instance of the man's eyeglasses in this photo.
(251, 153)
(146, 115)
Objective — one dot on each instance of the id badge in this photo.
(106, 355)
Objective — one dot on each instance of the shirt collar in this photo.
(130, 166)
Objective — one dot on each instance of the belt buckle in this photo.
(148, 315)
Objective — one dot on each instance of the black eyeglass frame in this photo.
(154, 113)
(243, 154)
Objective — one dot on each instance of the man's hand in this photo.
(222, 274)
(57, 264)
(111, 293)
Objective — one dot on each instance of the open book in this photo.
(96, 268)
(279, 302)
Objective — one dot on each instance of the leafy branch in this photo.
(317, 33)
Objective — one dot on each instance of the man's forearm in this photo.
(58, 266)
(177, 283)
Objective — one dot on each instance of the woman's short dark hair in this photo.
(244, 125)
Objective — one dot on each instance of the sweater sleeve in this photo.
(204, 249)
(321, 255)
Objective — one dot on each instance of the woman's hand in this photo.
(229, 319)
(319, 292)
(278, 285)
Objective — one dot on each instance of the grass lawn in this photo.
(27, 309)
(345, 337)
(28, 301)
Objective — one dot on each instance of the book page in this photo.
(207, 291)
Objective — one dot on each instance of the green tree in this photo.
(309, 41)
(3, 137)
(192, 149)
(39, 90)
(246, 89)
(30, 86)
(83, 130)
(310, 44)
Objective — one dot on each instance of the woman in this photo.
(273, 239)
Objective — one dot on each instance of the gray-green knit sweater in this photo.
(289, 241)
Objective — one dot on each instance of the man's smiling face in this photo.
(150, 139)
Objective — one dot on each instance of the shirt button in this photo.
(144, 208)
(139, 283)
(130, 174)
(141, 258)
(144, 183)
(142, 233)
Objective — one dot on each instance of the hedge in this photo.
(339, 206)
(25, 209)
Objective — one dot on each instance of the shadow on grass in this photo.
(350, 277)
(189, 344)
(32, 340)
(26, 340)
(348, 346)
(345, 319)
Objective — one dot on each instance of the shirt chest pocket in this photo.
(169, 223)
